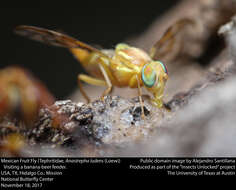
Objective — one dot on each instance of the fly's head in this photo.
(154, 76)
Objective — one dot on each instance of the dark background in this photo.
(105, 26)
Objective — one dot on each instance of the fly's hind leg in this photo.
(97, 82)
(89, 80)
(104, 71)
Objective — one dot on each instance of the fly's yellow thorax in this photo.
(134, 56)
(127, 62)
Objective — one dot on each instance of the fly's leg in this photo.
(140, 97)
(89, 80)
(108, 77)
(107, 80)
(102, 64)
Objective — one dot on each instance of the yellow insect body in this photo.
(123, 67)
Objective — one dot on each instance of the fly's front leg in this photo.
(89, 80)
(140, 97)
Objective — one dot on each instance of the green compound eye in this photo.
(148, 75)
(164, 67)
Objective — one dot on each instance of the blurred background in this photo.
(100, 26)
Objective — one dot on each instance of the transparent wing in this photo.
(54, 38)
(170, 40)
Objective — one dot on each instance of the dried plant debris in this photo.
(114, 120)
(95, 128)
